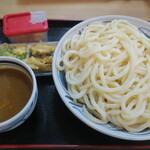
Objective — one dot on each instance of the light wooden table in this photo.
(78, 9)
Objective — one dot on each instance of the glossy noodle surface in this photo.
(107, 69)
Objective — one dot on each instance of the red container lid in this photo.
(25, 23)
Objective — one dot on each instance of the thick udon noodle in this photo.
(107, 69)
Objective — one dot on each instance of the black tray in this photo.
(51, 124)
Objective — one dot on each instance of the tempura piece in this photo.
(42, 49)
(37, 63)
(17, 51)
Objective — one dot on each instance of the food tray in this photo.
(51, 124)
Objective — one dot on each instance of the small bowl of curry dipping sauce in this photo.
(18, 92)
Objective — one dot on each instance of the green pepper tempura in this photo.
(13, 51)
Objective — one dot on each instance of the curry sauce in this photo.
(15, 91)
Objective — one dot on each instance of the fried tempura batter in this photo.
(44, 64)
(42, 49)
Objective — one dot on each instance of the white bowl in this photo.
(60, 83)
(20, 117)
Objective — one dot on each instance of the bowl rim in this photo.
(54, 74)
(34, 90)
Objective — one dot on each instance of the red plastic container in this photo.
(26, 27)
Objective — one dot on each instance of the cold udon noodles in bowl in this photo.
(106, 65)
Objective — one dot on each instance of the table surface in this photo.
(78, 9)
